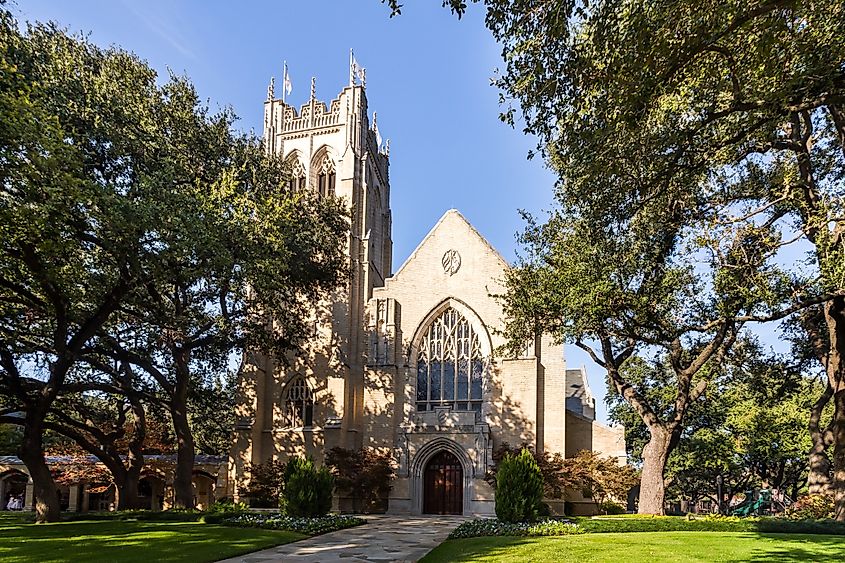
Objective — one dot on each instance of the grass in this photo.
(638, 523)
(650, 547)
(116, 541)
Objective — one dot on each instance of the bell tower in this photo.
(334, 150)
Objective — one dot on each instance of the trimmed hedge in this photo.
(308, 526)
(494, 527)
(635, 523)
(709, 523)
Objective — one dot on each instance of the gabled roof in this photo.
(457, 214)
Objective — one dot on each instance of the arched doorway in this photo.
(13, 486)
(443, 485)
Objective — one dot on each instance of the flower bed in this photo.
(308, 526)
(494, 527)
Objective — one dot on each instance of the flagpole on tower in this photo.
(284, 80)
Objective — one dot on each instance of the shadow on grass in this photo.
(479, 549)
(813, 547)
(128, 541)
(646, 547)
(680, 524)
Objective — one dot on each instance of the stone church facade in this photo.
(405, 361)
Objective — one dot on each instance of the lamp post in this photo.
(719, 482)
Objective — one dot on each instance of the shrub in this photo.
(364, 475)
(557, 477)
(223, 509)
(307, 490)
(812, 507)
(227, 506)
(309, 526)
(519, 488)
(265, 483)
(493, 527)
(612, 508)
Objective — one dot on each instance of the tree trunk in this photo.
(834, 311)
(652, 484)
(818, 479)
(45, 493)
(182, 482)
(127, 492)
(839, 455)
(135, 459)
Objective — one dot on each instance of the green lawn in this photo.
(129, 541)
(650, 547)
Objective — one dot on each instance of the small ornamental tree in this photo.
(519, 488)
(363, 474)
(603, 479)
(557, 474)
(307, 490)
(266, 481)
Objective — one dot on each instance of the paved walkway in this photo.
(382, 538)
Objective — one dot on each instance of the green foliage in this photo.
(10, 439)
(709, 523)
(695, 142)
(223, 509)
(363, 474)
(557, 475)
(601, 478)
(307, 490)
(265, 483)
(311, 526)
(611, 508)
(211, 410)
(811, 507)
(491, 527)
(139, 234)
(752, 427)
(519, 488)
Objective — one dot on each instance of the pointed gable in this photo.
(453, 261)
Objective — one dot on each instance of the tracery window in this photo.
(450, 365)
(326, 177)
(297, 176)
(299, 404)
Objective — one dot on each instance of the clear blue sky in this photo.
(428, 77)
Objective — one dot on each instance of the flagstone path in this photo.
(382, 538)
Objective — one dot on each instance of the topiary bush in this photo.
(519, 488)
(307, 490)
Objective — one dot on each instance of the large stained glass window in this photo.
(450, 365)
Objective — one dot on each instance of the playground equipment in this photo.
(754, 504)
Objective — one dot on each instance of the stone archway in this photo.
(446, 457)
(443, 485)
(13, 485)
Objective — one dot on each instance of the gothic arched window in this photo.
(298, 404)
(326, 177)
(450, 365)
(297, 175)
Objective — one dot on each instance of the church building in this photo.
(405, 360)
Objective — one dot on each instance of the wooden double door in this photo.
(443, 485)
